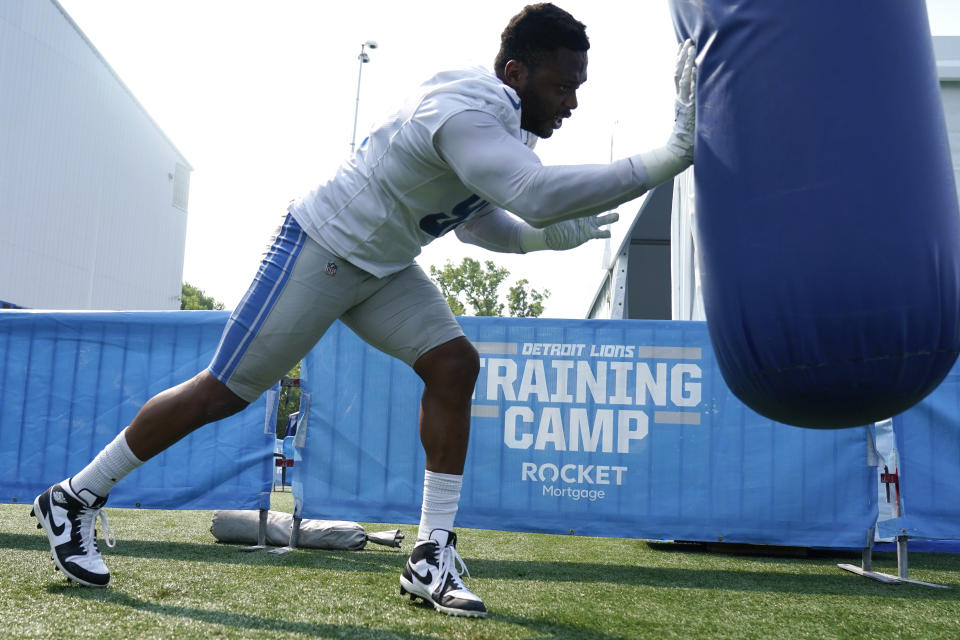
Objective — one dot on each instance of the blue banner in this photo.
(928, 456)
(71, 381)
(601, 428)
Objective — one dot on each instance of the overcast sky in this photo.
(260, 97)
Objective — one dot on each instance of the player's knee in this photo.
(225, 405)
(454, 365)
(467, 366)
(460, 367)
(219, 402)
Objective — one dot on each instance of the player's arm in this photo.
(497, 230)
(502, 170)
(493, 230)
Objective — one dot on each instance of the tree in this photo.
(524, 305)
(289, 401)
(193, 299)
(473, 289)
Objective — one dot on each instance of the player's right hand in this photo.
(573, 233)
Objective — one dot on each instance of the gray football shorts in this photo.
(298, 292)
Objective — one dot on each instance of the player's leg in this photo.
(449, 372)
(409, 319)
(175, 413)
(270, 330)
(68, 511)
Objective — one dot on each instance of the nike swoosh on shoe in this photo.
(425, 578)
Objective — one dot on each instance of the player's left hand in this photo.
(573, 233)
(685, 81)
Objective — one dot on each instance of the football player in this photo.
(457, 156)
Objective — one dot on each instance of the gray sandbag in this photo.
(238, 526)
(241, 527)
(331, 534)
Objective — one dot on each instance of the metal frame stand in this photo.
(866, 567)
(294, 538)
(261, 534)
(889, 479)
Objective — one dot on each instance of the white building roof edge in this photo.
(947, 52)
(106, 64)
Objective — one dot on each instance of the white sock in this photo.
(109, 467)
(441, 497)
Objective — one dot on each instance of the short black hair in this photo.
(539, 29)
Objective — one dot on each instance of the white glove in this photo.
(567, 234)
(664, 163)
(685, 106)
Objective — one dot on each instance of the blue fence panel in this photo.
(71, 381)
(607, 428)
(928, 454)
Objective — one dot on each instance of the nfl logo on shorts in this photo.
(331, 268)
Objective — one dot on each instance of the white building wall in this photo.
(951, 107)
(87, 188)
(947, 50)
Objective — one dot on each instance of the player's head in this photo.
(543, 57)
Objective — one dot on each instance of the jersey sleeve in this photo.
(494, 230)
(504, 171)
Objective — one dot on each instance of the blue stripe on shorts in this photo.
(249, 316)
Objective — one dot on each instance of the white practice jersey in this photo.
(397, 194)
(454, 156)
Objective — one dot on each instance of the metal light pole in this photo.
(364, 58)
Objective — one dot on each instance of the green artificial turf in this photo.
(171, 580)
